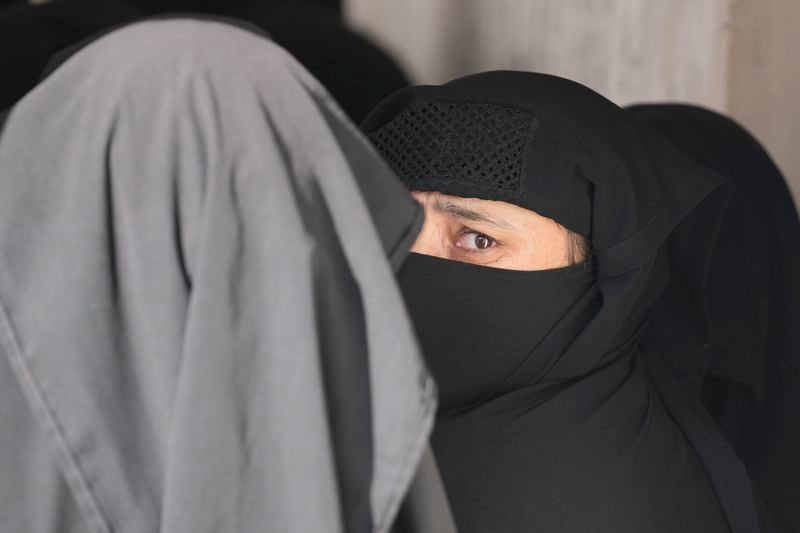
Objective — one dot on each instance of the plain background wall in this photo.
(764, 78)
(735, 56)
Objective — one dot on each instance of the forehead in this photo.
(498, 213)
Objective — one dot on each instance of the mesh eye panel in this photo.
(476, 144)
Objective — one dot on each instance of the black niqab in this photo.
(463, 312)
(589, 431)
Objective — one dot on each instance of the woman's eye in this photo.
(475, 241)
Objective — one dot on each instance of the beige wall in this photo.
(736, 56)
(764, 78)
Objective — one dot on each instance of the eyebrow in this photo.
(464, 213)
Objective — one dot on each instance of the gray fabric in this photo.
(175, 202)
(426, 507)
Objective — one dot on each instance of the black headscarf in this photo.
(357, 72)
(753, 293)
(587, 430)
(31, 34)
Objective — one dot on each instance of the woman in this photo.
(555, 415)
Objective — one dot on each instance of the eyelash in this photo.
(467, 231)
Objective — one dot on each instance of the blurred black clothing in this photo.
(225, 7)
(752, 343)
(31, 34)
(356, 72)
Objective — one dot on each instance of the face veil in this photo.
(586, 428)
(476, 324)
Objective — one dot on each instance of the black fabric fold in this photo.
(751, 381)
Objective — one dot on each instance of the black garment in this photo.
(753, 297)
(31, 34)
(355, 70)
(224, 7)
(591, 431)
(463, 312)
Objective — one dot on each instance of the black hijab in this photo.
(587, 430)
(753, 294)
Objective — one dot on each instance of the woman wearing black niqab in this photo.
(571, 422)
